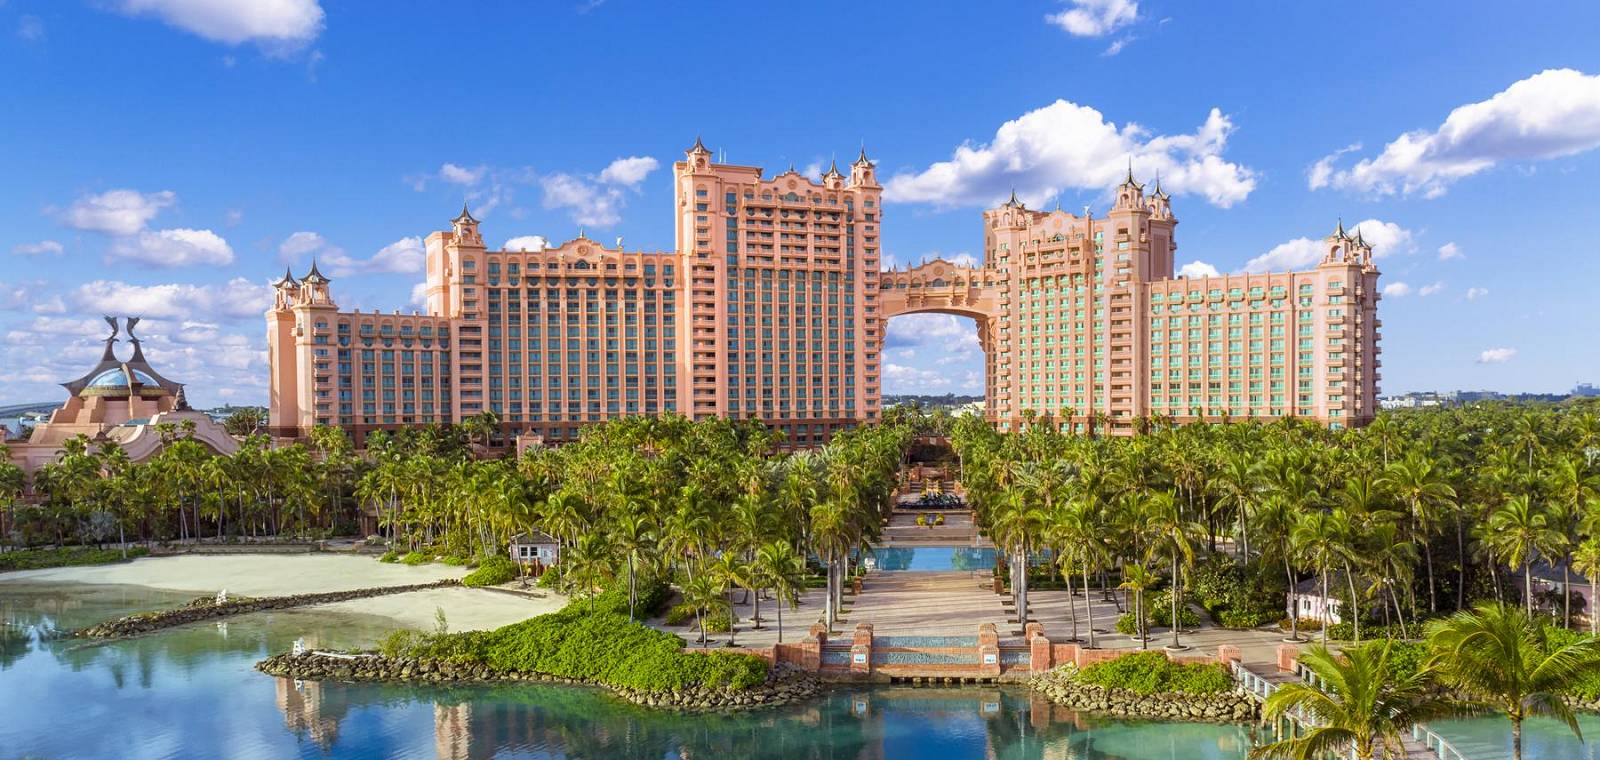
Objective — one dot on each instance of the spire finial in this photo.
(581, 233)
(833, 166)
(465, 217)
(791, 167)
(699, 146)
(1130, 169)
(288, 278)
(862, 158)
(1339, 231)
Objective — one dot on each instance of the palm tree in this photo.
(1418, 480)
(634, 536)
(1586, 558)
(734, 573)
(781, 569)
(1357, 706)
(1320, 539)
(1138, 579)
(589, 564)
(1502, 658)
(1175, 536)
(1519, 531)
(703, 591)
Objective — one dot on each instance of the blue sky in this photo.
(169, 157)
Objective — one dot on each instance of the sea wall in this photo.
(784, 684)
(206, 608)
(1060, 688)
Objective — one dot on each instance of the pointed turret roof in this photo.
(314, 276)
(833, 169)
(1159, 193)
(465, 216)
(1013, 202)
(1338, 232)
(288, 279)
(862, 159)
(698, 147)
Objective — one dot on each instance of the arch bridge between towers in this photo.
(943, 287)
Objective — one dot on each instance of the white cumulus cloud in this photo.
(1450, 251)
(1496, 355)
(238, 298)
(278, 25)
(1198, 269)
(526, 243)
(1396, 290)
(42, 247)
(300, 244)
(1386, 238)
(1068, 146)
(1095, 18)
(117, 212)
(1474, 294)
(1428, 290)
(1551, 114)
(173, 248)
(629, 171)
(460, 175)
(899, 378)
(404, 256)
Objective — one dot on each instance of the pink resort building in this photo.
(773, 306)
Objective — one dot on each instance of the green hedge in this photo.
(1152, 672)
(416, 558)
(39, 559)
(600, 647)
(493, 570)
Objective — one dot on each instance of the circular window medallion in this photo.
(583, 249)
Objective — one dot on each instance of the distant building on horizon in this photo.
(772, 306)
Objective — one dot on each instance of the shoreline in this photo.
(283, 575)
(783, 685)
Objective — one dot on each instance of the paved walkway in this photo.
(948, 603)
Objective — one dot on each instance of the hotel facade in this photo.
(773, 305)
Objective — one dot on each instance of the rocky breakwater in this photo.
(209, 608)
(1219, 707)
(783, 685)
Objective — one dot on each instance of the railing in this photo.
(1438, 744)
(1433, 741)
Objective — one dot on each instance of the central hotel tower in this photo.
(772, 306)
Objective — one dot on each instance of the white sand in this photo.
(248, 574)
(465, 609)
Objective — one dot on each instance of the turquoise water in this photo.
(192, 692)
(928, 558)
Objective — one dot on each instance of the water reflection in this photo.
(192, 692)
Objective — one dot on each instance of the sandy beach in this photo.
(465, 609)
(284, 574)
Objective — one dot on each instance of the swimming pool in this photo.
(933, 558)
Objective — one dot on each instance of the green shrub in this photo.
(1231, 618)
(719, 621)
(38, 559)
(1152, 672)
(1161, 611)
(492, 571)
(1127, 625)
(601, 647)
(455, 560)
(390, 556)
(549, 578)
(415, 558)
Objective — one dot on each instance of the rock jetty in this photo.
(1224, 707)
(784, 685)
(207, 608)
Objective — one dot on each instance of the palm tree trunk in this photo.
(755, 614)
(1461, 564)
(1433, 598)
(1516, 738)
(1327, 608)
(1355, 609)
(1566, 594)
(780, 620)
(1175, 592)
(1527, 586)
(1294, 606)
(1090, 604)
(1594, 615)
